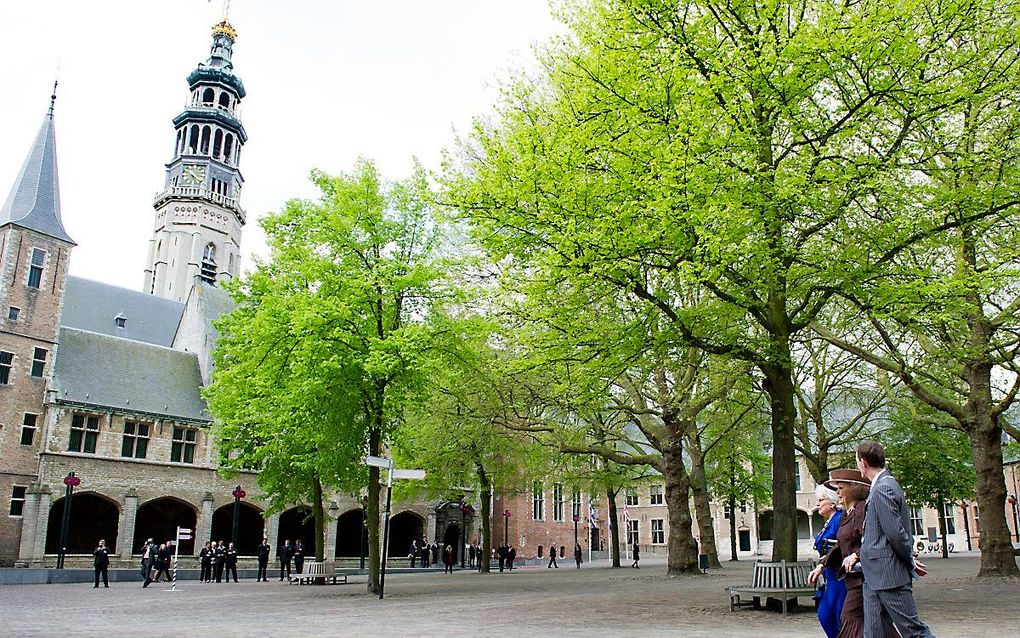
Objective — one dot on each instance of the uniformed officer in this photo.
(263, 555)
(206, 555)
(230, 562)
(219, 554)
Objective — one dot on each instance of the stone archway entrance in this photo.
(297, 524)
(451, 537)
(349, 532)
(404, 528)
(93, 517)
(250, 527)
(159, 519)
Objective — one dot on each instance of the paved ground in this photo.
(594, 601)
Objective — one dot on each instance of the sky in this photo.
(327, 81)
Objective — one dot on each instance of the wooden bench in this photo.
(783, 581)
(318, 573)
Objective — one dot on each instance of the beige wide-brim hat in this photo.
(846, 476)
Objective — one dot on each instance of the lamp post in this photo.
(70, 481)
(238, 495)
(506, 528)
(364, 529)
(1016, 523)
(577, 517)
(414, 475)
(465, 509)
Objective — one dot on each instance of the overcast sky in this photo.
(327, 81)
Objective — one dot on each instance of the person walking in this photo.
(299, 557)
(853, 490)
(425, 552)
(219, 558)
(471, 555)
(230, 562)
(511, 556)
(412, 553)
(637, 555)
(435, 552)
(148, 558)
(577, 554)
(501, 557)
(886, 555)
(160, 565)
(101, 562)
(262, 552)
(205, 563)
(552, 557)
(832, 591)
(285, 555)
(448, 559)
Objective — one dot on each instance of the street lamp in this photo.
(577, 517)
(506, 528)
(413, 475)
(238, 495)
(70, 481)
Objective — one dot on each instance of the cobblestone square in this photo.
(534, 601)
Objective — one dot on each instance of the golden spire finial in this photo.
(224, 25)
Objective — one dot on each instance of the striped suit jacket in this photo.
(886, 550)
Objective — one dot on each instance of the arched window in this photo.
(208, 97)
(228, 147)
(225, 100)
(193, 140)
(206, 135)
(217, 143)
(209, 264)
(230, 264)
(180, 139)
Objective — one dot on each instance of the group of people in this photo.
(866, 556)
(156, 561)
(215, 559)
(506, 555)
(288, 553)
(428, 554)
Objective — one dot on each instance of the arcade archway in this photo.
(404, 528)
(159, 519)
(296, 524)
(349, 532)
(93, 517)
(250, 527)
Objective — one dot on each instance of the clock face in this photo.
(194, 174)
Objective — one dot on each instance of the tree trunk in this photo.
(779, 387)
(996, 548)
(702, 501)
(319, 515)
(614, 527)
(942, 525)
(683, 553)
(733, 525)
(486, 499)
(374, 449)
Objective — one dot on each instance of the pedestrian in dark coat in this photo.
(286, 553)
(299, 557)
(160, 565)
(101, 561)
(205, 558)
(448, 559)
(577, 554)
(637, 556)
(219, 558)
(552, 557)
(511, 556)
(263, 555)
(501, 556)
(230, 562)
(412, 553)
(148, 557)
(425, 552)
(435, 553)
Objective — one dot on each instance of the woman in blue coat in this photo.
(832, 591)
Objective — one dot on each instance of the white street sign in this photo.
(377, 461)
(414, 475)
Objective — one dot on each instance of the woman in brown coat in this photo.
(853, 491)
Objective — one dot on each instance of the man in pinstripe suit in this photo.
(886, 554)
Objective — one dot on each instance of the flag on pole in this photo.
(626, 515)
(592, 515)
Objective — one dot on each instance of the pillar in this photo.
(203, 528)
(126, 525)
(30, 523)
(42, 523)
(329, 551)
(431, 531)
(272, 532)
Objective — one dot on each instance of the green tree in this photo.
(352, 279)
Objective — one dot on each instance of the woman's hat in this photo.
(846, 476)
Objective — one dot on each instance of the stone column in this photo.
(203, 528)
(329, 551)
(126, 526)
(272, 532)
(42, 523)
(30, 522)
(431, 530)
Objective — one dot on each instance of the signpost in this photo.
(183, 534)
(412, 475)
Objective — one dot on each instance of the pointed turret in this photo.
(34, 202)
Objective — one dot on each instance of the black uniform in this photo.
(299, 557)
(263, 554)
(286, 552)
(102, 561)
(552, 557)
(205, 574)
(511, 556)
(230, 561)
(218, 557)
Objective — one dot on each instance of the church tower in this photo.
(197, 235)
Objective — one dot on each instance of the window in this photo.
(950, 519)
(38, 362)
(631, 498)
(727, 512)
(182, 450)
(6, 363)
(558, 502)
(796, 475)
(658, 532)
(18, 500)
(35, 269)
(537, 502)
(575, 502)
(120, 321)
(12, 313)
(977, 520)
(916, 522)
(136, 440)
(84, 433)
(209, 264)
(655, 495)
(633, 531)
(28, 429)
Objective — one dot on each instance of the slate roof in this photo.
(34, 202)
(94, 306)
(217, 302)
(103, 371)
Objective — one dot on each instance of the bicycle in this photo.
(933, 548)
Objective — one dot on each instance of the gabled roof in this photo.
(34, 202)
(107, 372)
(95, 307)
